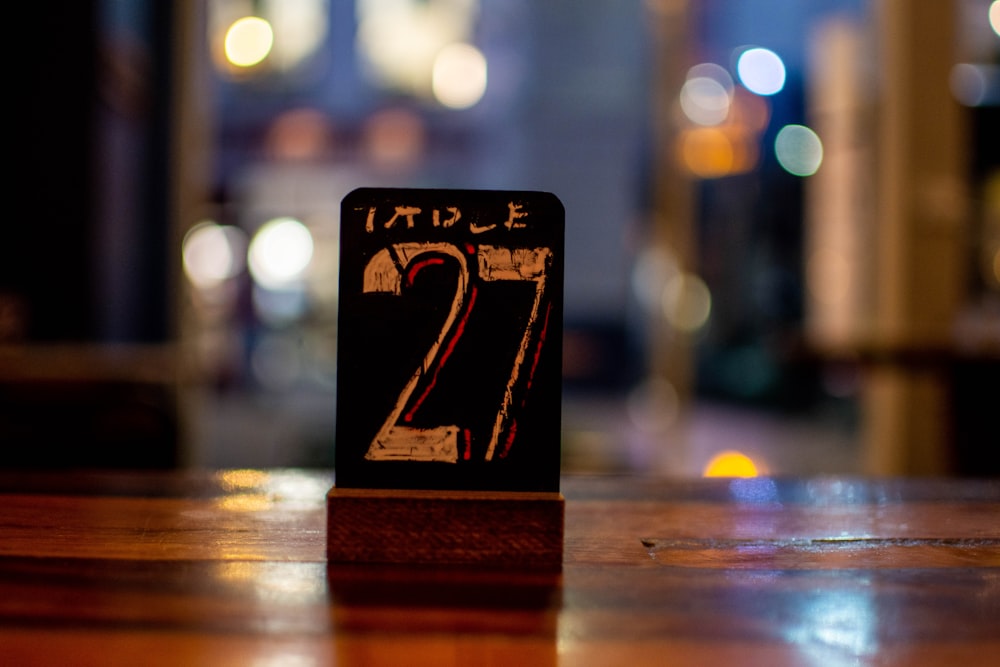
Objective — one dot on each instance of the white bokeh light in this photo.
(761, 71)
(280, 253)
(799, 150)
(212, 253)
(704, 100)
(459, 76)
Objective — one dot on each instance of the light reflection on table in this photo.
(229, 568)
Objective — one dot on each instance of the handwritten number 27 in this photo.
(386, 272)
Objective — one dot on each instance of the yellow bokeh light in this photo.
(995, 16)
(687, 302)
(731, 463)
(248, 41)
(707, 152)
(715, 152)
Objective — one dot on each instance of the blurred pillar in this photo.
(920, 240)
(673, 231)
(191, 129)
(839, 239)
(192, 157)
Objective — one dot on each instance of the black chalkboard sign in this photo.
(449, 340)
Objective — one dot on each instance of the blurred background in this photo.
(783, 221)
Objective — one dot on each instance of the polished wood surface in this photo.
(229, 568)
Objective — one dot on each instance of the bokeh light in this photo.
(995, 16)
(394, 139)
(799, 150)
(248, 41)
(975, 85)
(459, 76)
(212, 253)
(706, 152)
(281, 35)
(704, 100)
(712, 71)
(687, 302)
(714, 152)
(300, 27)
(761, 71)
(731, 463)
(725, 122)
(280, 253)
(398, 41)
(300, 134)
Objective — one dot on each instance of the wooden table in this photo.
(228, 568)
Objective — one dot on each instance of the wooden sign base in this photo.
(494, 529)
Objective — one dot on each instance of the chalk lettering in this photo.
(406, 211)
(455, 216)
(515, 214)
(414, 214)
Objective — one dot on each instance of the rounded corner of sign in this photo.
(359, 192)
(554, 201)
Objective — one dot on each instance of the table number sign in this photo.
(449, 340)
(449, 357)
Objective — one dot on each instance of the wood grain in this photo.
(229, 568)
(513, 530)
